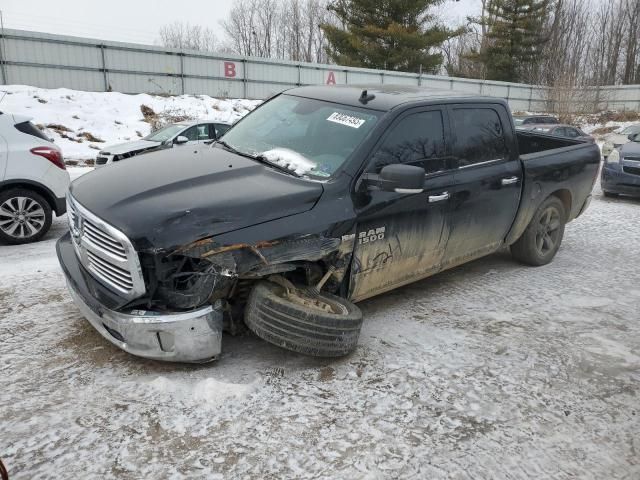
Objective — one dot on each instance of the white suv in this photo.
(33, 181)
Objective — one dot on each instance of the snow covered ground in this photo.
(108, 116)
(493, 370)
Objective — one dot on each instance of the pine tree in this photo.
(386, 34)
(515, 38)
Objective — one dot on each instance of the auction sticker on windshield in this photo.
(348, 120)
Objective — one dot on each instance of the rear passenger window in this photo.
(30, 129)
(221, 129)
(479, 134)
(418, 139)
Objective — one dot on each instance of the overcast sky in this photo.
(137, 20)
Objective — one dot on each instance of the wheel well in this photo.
(46, 194)
(565, 198)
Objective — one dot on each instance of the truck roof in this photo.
(388, 96)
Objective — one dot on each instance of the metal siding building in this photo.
(54, 61)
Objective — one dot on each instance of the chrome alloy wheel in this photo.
(21, 217)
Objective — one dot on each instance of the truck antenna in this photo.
(366, 97)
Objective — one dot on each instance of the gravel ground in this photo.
(492, 370)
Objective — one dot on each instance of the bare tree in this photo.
(287, 29)
(186, 36)
(631, 73)
(591, 43)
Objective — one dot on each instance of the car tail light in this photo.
(52, 154)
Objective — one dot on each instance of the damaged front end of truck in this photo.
(194, 292)
(206, 271)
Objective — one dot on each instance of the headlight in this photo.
(614, 157)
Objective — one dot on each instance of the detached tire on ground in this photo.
(321, 325)
(541, 240)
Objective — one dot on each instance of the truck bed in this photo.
(529, 143)
(552, 165)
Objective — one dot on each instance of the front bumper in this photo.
(193, 336)
(618, 181)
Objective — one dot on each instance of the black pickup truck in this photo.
(322, 197)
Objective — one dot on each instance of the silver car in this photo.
(615, 140)
(176, 134)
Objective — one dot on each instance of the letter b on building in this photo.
(229, 69)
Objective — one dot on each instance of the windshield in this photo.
(631, 129)
(309, 137)
(518, 121)
(164, 133)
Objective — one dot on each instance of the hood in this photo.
(172, 197)
(129, 147)
(630, 149)
(616, 139)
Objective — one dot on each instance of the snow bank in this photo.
(108, 116)
(616, 126)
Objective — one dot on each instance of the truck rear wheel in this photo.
(303, 321)
(541, 240)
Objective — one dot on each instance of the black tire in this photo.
(610, 194)
(541, 240)
(310, 331)
(31, 225)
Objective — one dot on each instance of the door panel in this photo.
(402, 237)
(488, 182)
(482, 210)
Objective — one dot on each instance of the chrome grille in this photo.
(105, 251)
(101, 239)
(116, 275)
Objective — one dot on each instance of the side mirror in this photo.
(180, 139)
(632, 137)
(398, 178)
